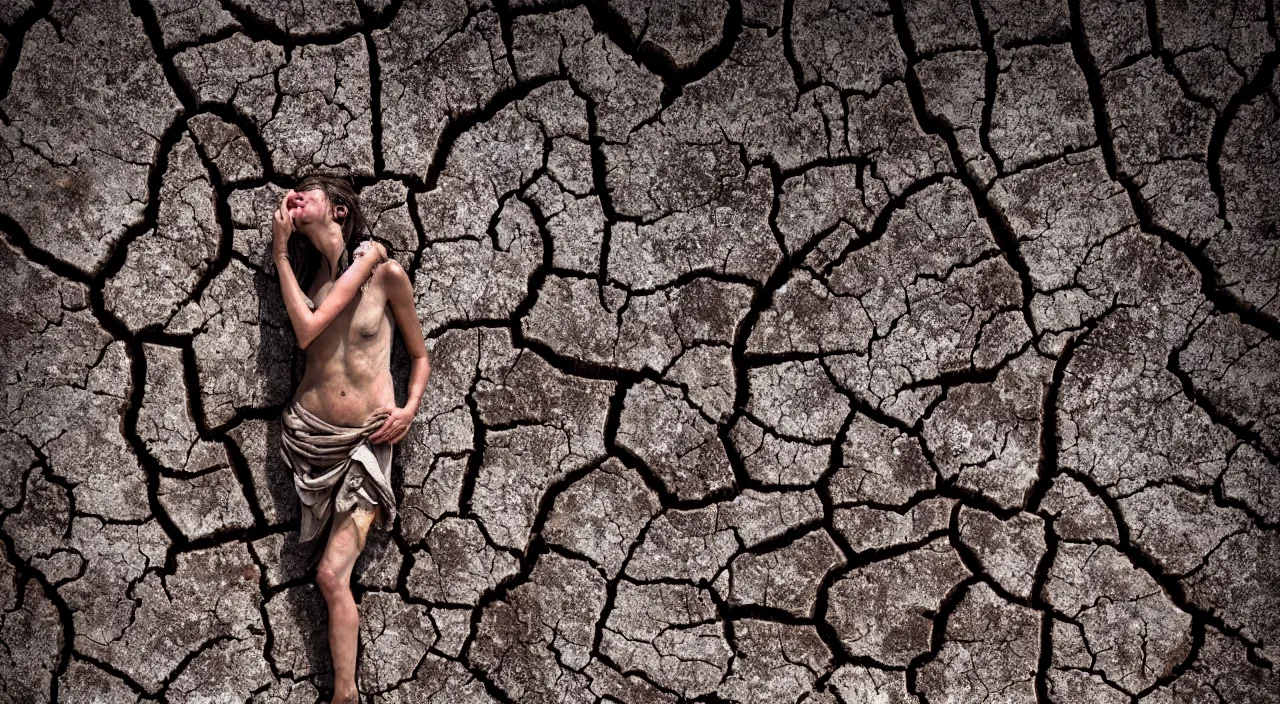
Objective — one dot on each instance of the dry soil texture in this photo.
(820, 351)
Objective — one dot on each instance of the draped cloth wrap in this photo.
(335, 467)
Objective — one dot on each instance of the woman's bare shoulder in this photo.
(391, 275)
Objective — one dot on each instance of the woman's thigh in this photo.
(347, 538)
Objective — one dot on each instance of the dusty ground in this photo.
(784, 351)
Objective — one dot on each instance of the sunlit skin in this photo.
(348, 378)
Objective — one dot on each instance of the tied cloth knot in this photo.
(335, 466)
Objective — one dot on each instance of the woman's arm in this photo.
(400, 298)
(308, 324)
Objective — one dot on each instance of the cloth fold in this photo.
(334, 467)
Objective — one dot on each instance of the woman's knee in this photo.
(329, 580)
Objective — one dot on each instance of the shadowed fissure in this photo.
(781, 350)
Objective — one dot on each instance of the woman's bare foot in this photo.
(352, 698)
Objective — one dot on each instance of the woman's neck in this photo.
(331, 246)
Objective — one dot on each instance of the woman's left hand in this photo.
(395, 427)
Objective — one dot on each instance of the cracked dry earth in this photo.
(783, 351)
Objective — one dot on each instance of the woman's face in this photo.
(310, 207)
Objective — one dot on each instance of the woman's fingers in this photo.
(383, 430)
(392, 435)
(391, 430)
(371, 247)
(282, 212)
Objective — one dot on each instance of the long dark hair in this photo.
(303, 256)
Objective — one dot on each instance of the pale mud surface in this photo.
(783, 351)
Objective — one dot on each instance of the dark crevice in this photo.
(16, 34)
(999, 226)
(675, 79)
(1211, 285)
(656, 59)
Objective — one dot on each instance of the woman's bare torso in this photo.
(348, 373)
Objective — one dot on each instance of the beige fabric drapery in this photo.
(334, 467)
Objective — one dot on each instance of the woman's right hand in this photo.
(281, 227)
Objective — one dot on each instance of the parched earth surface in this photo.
(813, 350)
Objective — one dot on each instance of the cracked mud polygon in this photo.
(792, 351)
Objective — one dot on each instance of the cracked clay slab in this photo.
(803, 351)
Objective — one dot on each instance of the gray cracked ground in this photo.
(783, 351)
